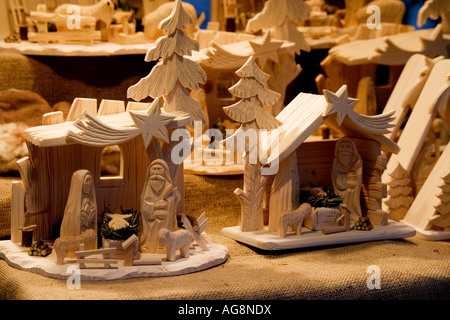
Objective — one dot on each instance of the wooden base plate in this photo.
(267, 240)
(214, 170)
(16, 256)
(432, 235)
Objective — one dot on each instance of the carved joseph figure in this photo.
(347, 175)
(158, 203)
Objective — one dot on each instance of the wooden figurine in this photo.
(66, 244)
(90, 25)
(248, 111)
(294, 219)
(429, 212)
(399, 193)
(442, 217)
(174, 75)
(102, 12)
(124, 31)
(85, 33)
(347, 176)
(435, 9)
(180, 239)
(282, 16)
(158, 205)
(81, 211)
(254, 94)
(221, 59)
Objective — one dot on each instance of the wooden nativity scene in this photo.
(134, 221)
(300, 193)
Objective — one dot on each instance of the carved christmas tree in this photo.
(442, 217)
(399, 193)
(254, 94)
(282, 16)
(174, 75)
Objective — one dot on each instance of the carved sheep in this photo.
(180, 239)
(64, 245)
(101, 11)
(294, 219)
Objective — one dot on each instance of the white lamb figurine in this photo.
(180, 239)
(101, 11)
(294, 219)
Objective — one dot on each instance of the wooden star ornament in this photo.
(435, 45)
(339, 103)
(266, 49)
(152, 123)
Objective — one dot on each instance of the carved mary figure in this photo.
(80, 213)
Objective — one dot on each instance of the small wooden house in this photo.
(302, 161)
(58, 148)
(314, 159)
(299, 163)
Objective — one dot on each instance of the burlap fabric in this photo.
(5, 207)
(59, 79)
(410, 268)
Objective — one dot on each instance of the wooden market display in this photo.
(371, 167)
(299, 165)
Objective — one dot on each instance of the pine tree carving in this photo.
(442, 217)
(249, 111)
(254, 94)
(399, 197)
(174, 75)
(282, 16)
(251, 198)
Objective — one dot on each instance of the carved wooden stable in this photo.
(58, 150)
(304, 163)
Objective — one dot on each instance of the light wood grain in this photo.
(424, 206)
(421, 119)
(282, 17)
